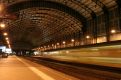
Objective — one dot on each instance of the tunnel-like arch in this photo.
(47, 4)
(39, 20)
(61, 17)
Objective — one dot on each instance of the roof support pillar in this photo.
(95, 27)
(119, 12)
(107, 26)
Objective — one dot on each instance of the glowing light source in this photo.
(8, 42)
(5, 34)
(113, 31)
(2, 25)
(72, 40)
(64, 42)
(6, 38)
(87, 37)
(58, 44)
(52, 45)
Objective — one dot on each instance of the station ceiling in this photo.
(40, 21)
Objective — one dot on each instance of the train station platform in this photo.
(16, 68)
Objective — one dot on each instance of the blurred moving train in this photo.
(103, 55)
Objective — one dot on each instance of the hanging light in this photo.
(113, 31)
(87, 36)
(5, 34)
(58, 44)
(52, 45)
(6, 38)
(72, 40)
(64, 42)
(2, 25)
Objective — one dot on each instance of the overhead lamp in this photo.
(87, 36)
(6, 38)
(64, 42)
(72, 40)
(5, 34)
(52, 45)
(113, 31)
(2, 25)
(8, 42)
(58, 44)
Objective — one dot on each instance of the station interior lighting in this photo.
(52, 45)
(5, 34)
(58, 44)
(6, 38)
(113, 31)
(8, 42)
(64, 42)
(87, 37)
(72, 40)
(2, 25)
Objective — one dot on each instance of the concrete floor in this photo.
(16, 68)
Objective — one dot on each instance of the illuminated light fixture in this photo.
(113, 31)
(58, 44)
(6, 38)
(64, 42)
(72, 40)
(5, 34)
(52, 45)
(87, 37)
(8, 42)
(2, 25)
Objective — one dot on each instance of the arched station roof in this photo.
(42, 21)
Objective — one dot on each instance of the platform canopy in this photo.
(39, 22)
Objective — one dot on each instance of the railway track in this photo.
(81, 71)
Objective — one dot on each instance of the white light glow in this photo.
(64, 42)
(72, 40)
(52, 45)
(8, 42)
(5, 34)
(58, 44)
(87, 37)
(6, 38)
(113, 31)
(2, 25)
